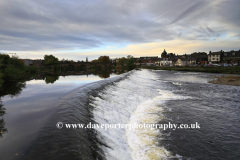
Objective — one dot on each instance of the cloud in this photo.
(59, 25)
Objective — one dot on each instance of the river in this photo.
(34, 123)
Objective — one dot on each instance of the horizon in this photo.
(79, 29)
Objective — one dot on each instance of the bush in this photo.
(11, 73)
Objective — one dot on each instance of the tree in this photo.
(130, 62)
(121, 61)
(105, 59)
(164, 54)
(1, 80)
(4, 59)
(50, 59)
(126, 63)
(95, 61)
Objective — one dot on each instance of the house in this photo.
(201, 57)
(165, 62)
(146, 60)
(37, 63)
(215, 57)
(28, 62)
(192, 60)
(158, 62)
(231, 56)
(182, 62)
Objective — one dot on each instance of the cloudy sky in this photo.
(74, 29)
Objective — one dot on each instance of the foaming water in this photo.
(138, 99)
(144, 142)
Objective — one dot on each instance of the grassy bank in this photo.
(227, 70)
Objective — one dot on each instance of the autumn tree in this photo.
(104, 59)
(95, 61)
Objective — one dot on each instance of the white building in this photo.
(164, 62)
(214, 57)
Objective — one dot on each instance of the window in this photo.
(217, 59)
(233, 53)
(225, 54)
(213, 59)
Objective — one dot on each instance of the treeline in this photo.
(125, 63)
(103, 59)
(12, 68)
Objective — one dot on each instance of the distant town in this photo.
(219, 58)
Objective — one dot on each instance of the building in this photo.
(215, 57)
(201, 57)
(182, 62)
(37, 63)
(28, 62)
(231, 57)
(192, 60)
(143, 60)
(164, 62)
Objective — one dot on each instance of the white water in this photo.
(137, 99)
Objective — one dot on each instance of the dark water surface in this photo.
(215, 107)
(27, 107)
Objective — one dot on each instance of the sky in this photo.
(76, 29)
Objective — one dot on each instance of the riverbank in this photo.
(226, 70)
(227, 80)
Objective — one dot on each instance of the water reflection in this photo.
(11, 88)
(15, 88)
(51, 79)
(2, 123)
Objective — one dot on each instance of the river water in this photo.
(136, 97)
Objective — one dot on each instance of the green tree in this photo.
(1, 74)
(1, 79)
(4, 59)
(50, 59)
(122, 61)
(11, 73)
(130, 62)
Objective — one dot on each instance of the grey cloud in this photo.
(59, 24)
(189, 10)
